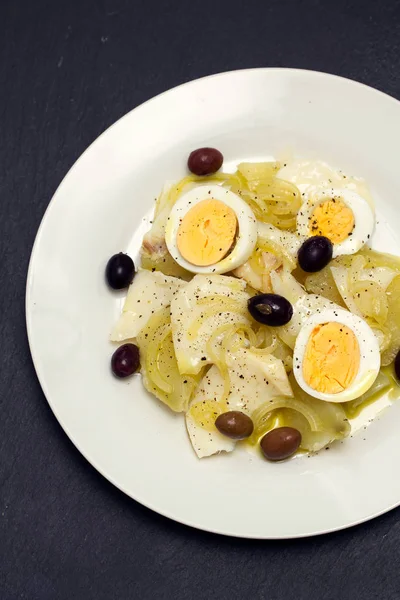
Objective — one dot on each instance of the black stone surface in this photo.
(68, 69)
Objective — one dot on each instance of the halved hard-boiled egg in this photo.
(210, 230)
(341, 215)
(336, 356)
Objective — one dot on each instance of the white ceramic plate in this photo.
(104, 205)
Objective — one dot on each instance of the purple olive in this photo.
(205, 161)
(234, 424)
(125, 360)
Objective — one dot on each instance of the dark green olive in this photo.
(234, 424)
(280, 443)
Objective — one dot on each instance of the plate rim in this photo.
(29, 326)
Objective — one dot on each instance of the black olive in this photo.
(125, 360)
(280, 443)
(270, 309)
(397, 365)
(315, 253)
(120, 271)
(234, 424)
(205, 161)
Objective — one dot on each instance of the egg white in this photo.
(247, 228)
(369, 354)
(383, 276)
(364, 218)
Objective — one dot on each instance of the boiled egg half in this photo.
(210, 230)
(336, 356)
(341, 215)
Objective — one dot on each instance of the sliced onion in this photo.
(287, 223)
(264, 424)
(228, 305)
(158, 360)
(331, 414)
(152, 356)
(256, 172)
(381, 333)
(273, 200)
(262, 413)
(311, 441)
(264, 346)
(323, 284)
(393, 321)
(358, 264)
(381, 384)
(380, 259)
(371, 300)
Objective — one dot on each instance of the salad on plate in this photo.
(260, 310)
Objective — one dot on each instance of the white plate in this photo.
(104, 205)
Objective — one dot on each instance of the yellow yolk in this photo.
(331, 359)
(207, 233)
(333, 219)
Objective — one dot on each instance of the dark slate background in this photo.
(68, 69)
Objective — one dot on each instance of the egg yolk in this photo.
(207, 233)
(331, 359)
(333, 219)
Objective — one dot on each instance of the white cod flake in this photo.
(205, 442)
(254, 380)
(148, 293)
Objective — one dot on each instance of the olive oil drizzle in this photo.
(352, 409)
